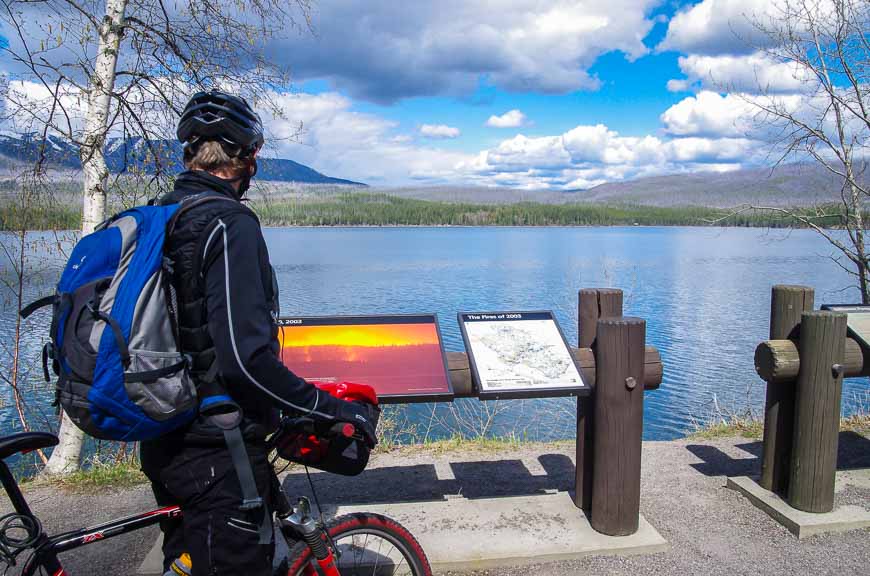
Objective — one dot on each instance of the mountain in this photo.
(134, 155)
(799, 184)
(802, 184)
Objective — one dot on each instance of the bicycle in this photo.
(350, 545)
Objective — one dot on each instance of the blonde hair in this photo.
(211, 156)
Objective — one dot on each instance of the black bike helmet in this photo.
(216, 115)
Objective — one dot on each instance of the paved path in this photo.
(711, 530)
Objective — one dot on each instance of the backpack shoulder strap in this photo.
(37, 304)
(192, 202)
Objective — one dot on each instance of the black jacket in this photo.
(227, 301)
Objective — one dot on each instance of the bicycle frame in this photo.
(46, 554)
(46, 548)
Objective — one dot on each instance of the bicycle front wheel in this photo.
(366, 545)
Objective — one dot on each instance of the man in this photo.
(226, 298)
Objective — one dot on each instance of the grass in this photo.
(95, 475)
(753, 428)
(859, 423)
(459, 443)
(742, 427)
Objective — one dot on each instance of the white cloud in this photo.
(586, 156)
(752, 73)
(511, 119)
(29, 106)
(710, 114)
(521, 153)
(679, 85)
(752, 117)
(339, 141)
(382, 50)
(709, 150)
(719, 26)
(439, 131)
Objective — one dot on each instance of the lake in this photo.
(705, 293)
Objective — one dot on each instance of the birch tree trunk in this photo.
(66, 456)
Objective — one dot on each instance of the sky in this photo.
(525, 93)
(531, 94)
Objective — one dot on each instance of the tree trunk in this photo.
(66, 456)
(857, 234)
(863, 272)
(863, 282)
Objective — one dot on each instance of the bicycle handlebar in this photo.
(318, 428)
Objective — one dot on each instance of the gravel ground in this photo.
(710, 529)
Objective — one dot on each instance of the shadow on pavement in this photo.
(853, 453)
(417, 483)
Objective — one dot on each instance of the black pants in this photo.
(220, 538)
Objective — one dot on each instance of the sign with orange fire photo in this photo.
(400, 356)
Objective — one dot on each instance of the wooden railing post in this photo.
(786, 306)
(592, 304)
(618, 425)
(817, 412)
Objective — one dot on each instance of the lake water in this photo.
(705, 294)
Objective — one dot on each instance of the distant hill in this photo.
(787, 185)
(133, 154)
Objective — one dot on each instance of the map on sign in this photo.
(857, 319)
(400, 356)
(519, 355)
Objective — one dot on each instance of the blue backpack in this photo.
(114, 338)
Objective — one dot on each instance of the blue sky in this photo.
(559, 94)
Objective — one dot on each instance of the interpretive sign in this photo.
(519, 355)
(400, 356)
(857, 319)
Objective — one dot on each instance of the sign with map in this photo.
(400, 356)
(519, 355)
(857, 319)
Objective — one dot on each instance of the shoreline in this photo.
(784, 229)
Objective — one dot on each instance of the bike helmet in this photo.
(219, 116)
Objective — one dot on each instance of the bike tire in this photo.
(347, 531)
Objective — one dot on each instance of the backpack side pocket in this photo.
(159, 383)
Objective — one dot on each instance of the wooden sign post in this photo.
(787, 303)
(610, 420)
(817, 414)
(804, 365)
(592, 304)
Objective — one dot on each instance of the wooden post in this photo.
(592, 304)
(787, 303)
(618, 426)
(817, 412)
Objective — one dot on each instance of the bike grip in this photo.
(345, 429)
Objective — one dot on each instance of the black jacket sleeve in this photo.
(240, 321)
